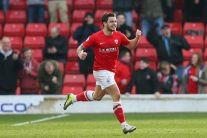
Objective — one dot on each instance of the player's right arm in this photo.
(88, 43)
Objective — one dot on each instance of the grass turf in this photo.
(163, 125)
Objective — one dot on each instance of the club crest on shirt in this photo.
(116, 41)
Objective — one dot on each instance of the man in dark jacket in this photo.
(81, 34)
(125, 6)
(145, 79)
(10, 65)
(50, 78)
(169, 47)
(56, 46)
(125, 29)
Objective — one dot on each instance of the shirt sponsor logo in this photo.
(116, 41)
(108, 50)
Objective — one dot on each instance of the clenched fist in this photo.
(138, 33)
(82, 55)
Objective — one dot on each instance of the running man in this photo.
(106, 45)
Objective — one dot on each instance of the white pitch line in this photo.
(40, 120)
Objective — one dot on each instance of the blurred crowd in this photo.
(169, 77)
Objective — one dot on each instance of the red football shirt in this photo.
(106, 49)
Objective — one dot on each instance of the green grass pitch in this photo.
(156, 125)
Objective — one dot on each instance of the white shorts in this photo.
(104, 78)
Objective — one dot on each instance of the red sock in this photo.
(118, 111)
(85, 96)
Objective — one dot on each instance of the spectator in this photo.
(56, 46)
(145, 79)
(195, 76)
(151, 13)
(81, 34)
(4, 5)
(168, 9)
(125, 6)
(61, 7)
(169, 47)
(50, 78)
(28, 75)
(193, 10)
(168, 82)
(10, 66)
(36, 9)
(124, 28)
(123, 71)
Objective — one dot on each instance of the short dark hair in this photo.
(107, 15)
(145, 60)
(120, 13)
(26, 49)
(165, 26)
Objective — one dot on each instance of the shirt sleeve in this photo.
(124, 40)
(90, 41)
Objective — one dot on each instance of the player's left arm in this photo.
(133, 43)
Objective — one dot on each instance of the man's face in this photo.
(49, 68)
(54, 32)
(166, 70)
(126, 58)
(28, 54)
(111, 24)
(6, 44)
(166, 32)
(143, 65)
(89, 20)
(120, 20)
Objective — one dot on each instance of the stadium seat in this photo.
(178, 15)
(176, 27)
(64, 28)
(37, 54)
(91, 80)
(14, 30)
(193, 27)
(78, 15)
(152, 65)
(135, 17)
(84, 4)
(36, 29)
(90, 87)
(61, 67)
(104, 4)
(70, 4)
(16, 42)
(2, 17)
(1, 31)
(69, 89)
(74, 27)
(195, 41)
(187, 54)
(179, 4)
(205, 55)
(34, 42)
(72, 43)
(146, 52)
(18, 4)
(72, 67)
(74, 80)
(99, 14)
(144, 43)
(72, 55)
(16, 16)
(185, 63)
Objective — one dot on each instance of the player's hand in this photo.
(82, 55)
(138, 33)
